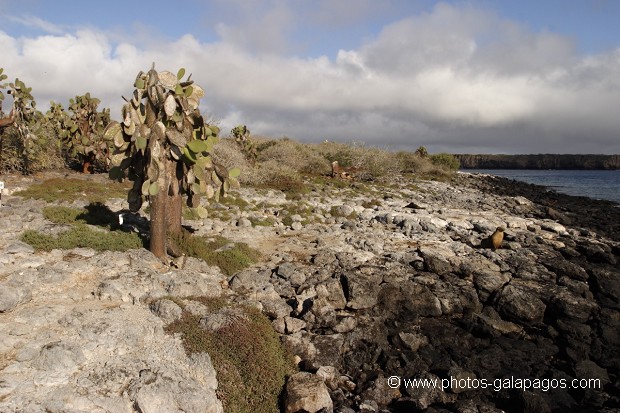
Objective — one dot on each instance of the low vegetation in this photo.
(230, 257)
(250, 362)
(285, 165)
(90, 227)
(73, 189)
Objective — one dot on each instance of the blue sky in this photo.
(459, 76)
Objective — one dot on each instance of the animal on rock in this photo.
(496, 239)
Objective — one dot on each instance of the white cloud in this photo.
(456, 79)
(37, 23)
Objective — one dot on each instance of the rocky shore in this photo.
(371, 286)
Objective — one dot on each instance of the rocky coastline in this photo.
(373, 286)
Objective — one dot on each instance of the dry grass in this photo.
(281, 163)
(46, 154)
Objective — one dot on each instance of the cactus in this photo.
(242, 137)
(25, 117)
(163, 145)
(82, 133)
(3, 77)
(422, 152)
(57, 119)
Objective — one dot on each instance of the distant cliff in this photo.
(547, 161)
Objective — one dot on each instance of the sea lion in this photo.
(496, 239)
(493, 241)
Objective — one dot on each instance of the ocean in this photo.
(593, 184)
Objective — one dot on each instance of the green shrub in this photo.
(250, 362)
(262, 222)
(299, 157)
(410, 162)
(82, 233)
(83, 236)
(446, 160)
(230, 257)
(61, 214)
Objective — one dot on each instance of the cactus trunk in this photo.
(158, 225)
(174, 208)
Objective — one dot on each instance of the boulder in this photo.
(520, 304)
(306, 392)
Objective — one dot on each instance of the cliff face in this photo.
(546, 161)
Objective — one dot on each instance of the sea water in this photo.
(593, 184)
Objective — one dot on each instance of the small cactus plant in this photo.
(422, 152)
(242, 137)
(163, 145)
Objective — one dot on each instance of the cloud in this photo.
(457, 79)
(37, 23)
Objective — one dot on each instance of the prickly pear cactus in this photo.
(163, 143)
(57, 118)
(26, 118)
(242, 136)
(3, 77)
(83, 131)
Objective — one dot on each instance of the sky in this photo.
(475, 76)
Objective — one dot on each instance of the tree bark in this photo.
(159, 201)
(174, 207)
(158, 225)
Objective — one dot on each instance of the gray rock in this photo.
(331, 291)
(607, 284)
(324, 257)
(460, 380)
(11, 297)
(249, 280)
(590, 370)
(413, 341)
(279, 325)
(289, 272)
(329, 349)
(344, 210)
(567, 305)
(294, 325)
(167, 310)
(244, 223)
(330, 376)
(490, 323)
(439, 259)
(520, 304)
(553, 227)
(301, 346)
(186, 283)
(19, 248)
(345, 325)
(154, 393)
(307, 392)
(276, 308)
(361, 287)
(488, 282)
(423, 396)
(286, 270)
